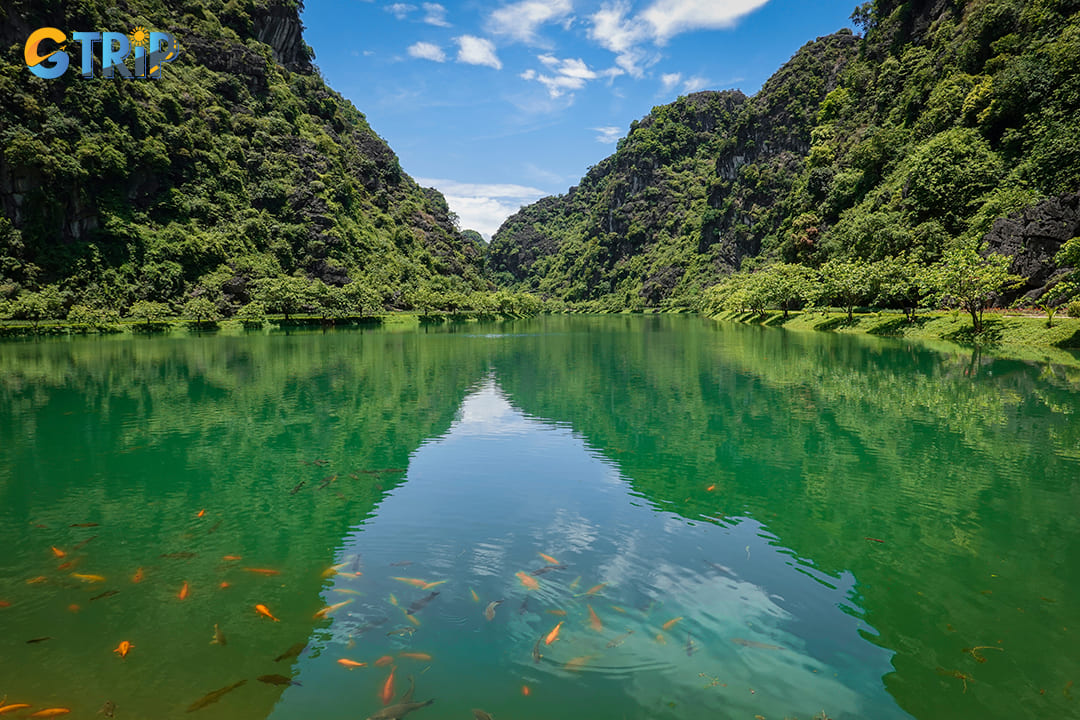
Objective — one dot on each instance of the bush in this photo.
(1073, 309)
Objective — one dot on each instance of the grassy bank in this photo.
(1015, 335)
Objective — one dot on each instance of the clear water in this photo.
(771, 524)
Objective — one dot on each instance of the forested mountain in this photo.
(238, 164)
(905, 142)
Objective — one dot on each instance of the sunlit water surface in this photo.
(727, 521)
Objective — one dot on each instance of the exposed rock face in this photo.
(1032, 237)
(278, 25)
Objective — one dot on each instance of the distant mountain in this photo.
(944, 117)
(238, 163)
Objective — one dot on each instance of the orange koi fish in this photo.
(618, 609)
(550, 559)
(183, 592)
(138, 576)
(89, 578)
(554, 634)
(413, 619)
(123, 648)
(384, 661)
(415, 655)
(595, 589)
(577, 663)
(66, 565)
(4, 604)
(475, 597)
(557, 613)
(433, 584)
(265, 612)
(333, 570)
(594, 620)
(223, 585)
(73, 608)
(415, 582)
(350, 663)
(671, 623)
(201, 512)
(710, 488)
(387, 693)
(525, 690)
(573, 585)
(331, 608)
(13, 708)
(263, 571)
(50, 712)
(58, 552)
(233, 557)
(530, 583)
(37, 580)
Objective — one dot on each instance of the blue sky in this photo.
(499, 103)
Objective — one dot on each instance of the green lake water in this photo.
(771, 524)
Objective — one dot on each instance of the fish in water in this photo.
(415, 655)
(475, 597)
(548, 558)
(263, 571)
(400, 710)
(275, 680)
(559, 613)
(620, 639)
(327, 480)
(219, 636)
(671, 623)
(83, 525)
(13, 707)
(547, 569)
(407, 695)
(138, 576)
(401, 563)
(58, 552)
(529, 582)
(201, 513)
(49, 712)
(350, 663)
(577, 663)
(481, 715)
(430, 585)
(384, 661)
(370, 625)
(299, 485)
(554, 634)
(84, 543)
(415, 582)
(265, 612)
(331, 608)
(489, 611)
(292, 652)
(123, 648)
(106, 594)
(108, 709)
(34, 641)
(755, 644)
(183, 592)
(387, 693)
(536, 655)
(419, 604)
(212, 697)
(595, 589)
(594, 619)
(402, 631)
(179, 555)
(577, 580)
(89, 578)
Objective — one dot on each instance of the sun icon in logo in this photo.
(139, 37)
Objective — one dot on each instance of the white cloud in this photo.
(435, 15)
(695, 83)
(484, 206)
(400, 10)
(477, 51)
(569, 74)
(670, 80)
(615, 29)
(667, 18)
(521, 20)
(608, 135)
(427, 51)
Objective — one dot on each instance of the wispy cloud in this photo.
(615, 28)
(671, 81)
(477, 51)
(400, 10)
(567, 74)
(695, 83)
(483, 206)
(427, 51)
(435, 14)
(520, 21)
(608, 135)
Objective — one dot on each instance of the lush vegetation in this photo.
(238, 180)
(875, 163)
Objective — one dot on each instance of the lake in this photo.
(674, 518)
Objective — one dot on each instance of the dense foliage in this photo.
(900, 146)
(198, 192)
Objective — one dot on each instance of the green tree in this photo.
(361, 298)
(152, 313)
(971, 281)
(899, 284)
(93, 318)
(329, 300)
(200, 309)
(848, 284)
(252, 315)
(285, 295)
(786, 285)
(46, 304)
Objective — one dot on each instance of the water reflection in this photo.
(684, 619)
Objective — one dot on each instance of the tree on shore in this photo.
(965, 279)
